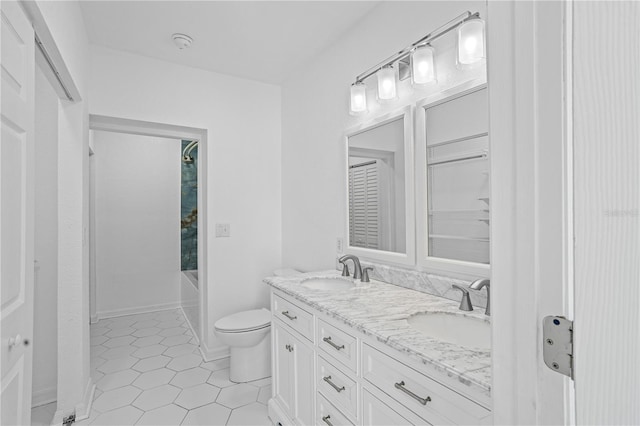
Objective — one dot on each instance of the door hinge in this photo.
(71, 418)
(557, 335)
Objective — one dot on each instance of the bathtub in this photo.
(190, 299)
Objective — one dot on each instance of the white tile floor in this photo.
(148, 371)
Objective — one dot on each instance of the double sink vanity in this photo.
(347, 352)
(417, 198)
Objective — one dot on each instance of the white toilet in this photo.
(248, 336)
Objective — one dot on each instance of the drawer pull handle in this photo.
(336, 347)
(326, 420)
(333, 385)
(288, 315)
(422, 401)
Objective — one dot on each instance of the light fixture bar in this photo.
(433, 35)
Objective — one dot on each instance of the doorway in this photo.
(150, 209)
(45, 313)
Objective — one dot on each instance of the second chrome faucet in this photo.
(465, 302)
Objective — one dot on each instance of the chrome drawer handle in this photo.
(288, 315)
(336, 347)
(326, 420)
(422, 401)
(333, 385)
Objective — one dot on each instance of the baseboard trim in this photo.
(213, 354)
(82, 409)
(139, 310)
(44, 396)
(94, 319)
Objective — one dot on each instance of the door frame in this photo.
(169, 131)
(529, 75)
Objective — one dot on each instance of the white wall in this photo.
(137, 223)
(45, 325)
(315, 116)
(242, 119)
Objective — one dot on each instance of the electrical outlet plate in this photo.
(339, 245)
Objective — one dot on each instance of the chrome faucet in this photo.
(478, 285)
(357, 269)
(465, 302)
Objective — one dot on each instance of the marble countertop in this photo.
(381, 310)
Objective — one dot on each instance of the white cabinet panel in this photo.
(293, 375)
(282, 372)
(294, 316)
(377, 413)
(302, 382)
(338, 344)
(338, 387)
(422, 395)
(328, 415)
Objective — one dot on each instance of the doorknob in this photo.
(17, 340)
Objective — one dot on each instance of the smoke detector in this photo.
(182, 41)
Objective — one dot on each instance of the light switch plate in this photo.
(339, 245)
(223, 230)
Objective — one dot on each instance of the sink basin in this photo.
(452, 328)
(334, 284)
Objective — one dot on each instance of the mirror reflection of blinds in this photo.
(363, 205)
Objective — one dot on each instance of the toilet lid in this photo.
(244, 321)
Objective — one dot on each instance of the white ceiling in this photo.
(259, 40)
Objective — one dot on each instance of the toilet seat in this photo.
(245, 321)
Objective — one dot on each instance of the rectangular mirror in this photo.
(453, 183)
(379, 183)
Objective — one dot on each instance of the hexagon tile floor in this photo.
(148, 371)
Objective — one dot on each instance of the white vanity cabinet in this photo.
(293, 365)
(327, 373)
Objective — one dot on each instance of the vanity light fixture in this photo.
(386, 83)
(418, 60)
(422, 65)
(471, 42)
(358, 104)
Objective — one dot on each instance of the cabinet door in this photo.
(303, 381)
(282, 374)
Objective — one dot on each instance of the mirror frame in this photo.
(409, 257)
(425, 262)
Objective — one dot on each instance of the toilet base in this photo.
(252, 363)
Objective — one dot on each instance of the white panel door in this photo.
(16, 212)
(607, 211)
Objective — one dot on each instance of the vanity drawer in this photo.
(327, 414)
(293, 315)
(337, 386)
(340, 345)
(427, 398)
(377, 413)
